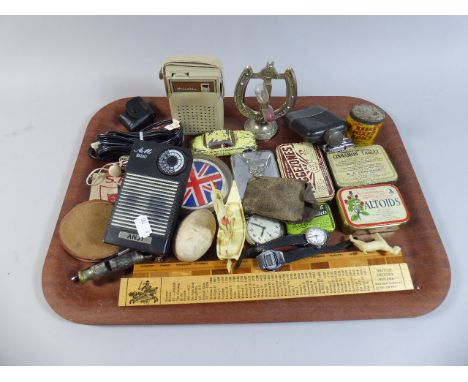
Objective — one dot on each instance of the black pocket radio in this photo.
(154, 186)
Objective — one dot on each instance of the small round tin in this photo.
(369, 209)
(364, 123)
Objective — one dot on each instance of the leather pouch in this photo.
(289, 200)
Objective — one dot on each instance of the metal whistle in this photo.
(119, 262)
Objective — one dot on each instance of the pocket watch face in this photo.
(316, 236)
(261, 230)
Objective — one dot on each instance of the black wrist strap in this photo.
(302, 253)
(283, 241)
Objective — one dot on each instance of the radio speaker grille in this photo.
(144, 195)
(196, 119)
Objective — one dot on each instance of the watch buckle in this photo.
(270, 260)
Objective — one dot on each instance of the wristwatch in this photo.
(272, 260)
(316, 237)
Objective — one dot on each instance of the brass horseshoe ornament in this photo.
(256, 121)
(267, 74)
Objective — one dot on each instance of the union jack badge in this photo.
(204, 173)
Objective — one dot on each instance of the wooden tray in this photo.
(97, 303)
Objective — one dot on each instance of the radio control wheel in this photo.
(171, 162)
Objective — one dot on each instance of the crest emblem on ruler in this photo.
(198, 191)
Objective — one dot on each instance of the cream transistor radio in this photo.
(194, 86)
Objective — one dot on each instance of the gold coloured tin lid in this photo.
(304, 161)
(376, 208)
(360, 166)
(368, 114)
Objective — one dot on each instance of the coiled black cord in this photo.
(113, 144)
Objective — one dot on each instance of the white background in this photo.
(55, 73)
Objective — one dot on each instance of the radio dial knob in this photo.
(171, 162)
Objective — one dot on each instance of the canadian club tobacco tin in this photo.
(359, 166)
(324, 219)
(369, 209)
(305, 161)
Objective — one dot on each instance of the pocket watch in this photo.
(261, 230)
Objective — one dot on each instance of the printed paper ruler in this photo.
(206, 282)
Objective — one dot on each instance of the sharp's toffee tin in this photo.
(369, 209)
(305, 161)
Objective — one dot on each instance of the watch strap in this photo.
(283, 241)
(303, 253)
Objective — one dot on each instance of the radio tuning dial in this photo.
(171, 162)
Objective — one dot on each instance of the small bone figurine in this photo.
(378, 244)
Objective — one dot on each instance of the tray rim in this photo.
(91, 321)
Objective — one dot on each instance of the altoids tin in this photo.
(369, 209)
(206, 171)
(324, 219)
(360, 166)
(304, 161)
(364, 123)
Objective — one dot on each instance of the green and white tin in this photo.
(369, 209)
(323, 220)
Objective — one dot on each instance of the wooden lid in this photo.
(83, 228)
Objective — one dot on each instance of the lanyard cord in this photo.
(113, 144)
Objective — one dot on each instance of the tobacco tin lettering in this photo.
(305, 161)
(361, 166)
